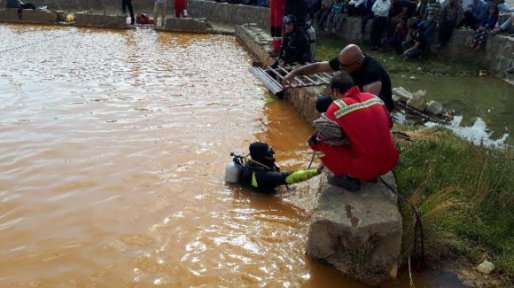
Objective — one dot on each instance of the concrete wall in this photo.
(230, 13)
(215, 12)
(498, 55)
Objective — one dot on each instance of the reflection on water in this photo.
(112, 151)
(477, 133)
(483, 103)
(113, 145)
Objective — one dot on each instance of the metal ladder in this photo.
(272, 78)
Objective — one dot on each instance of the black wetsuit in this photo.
(266, 180)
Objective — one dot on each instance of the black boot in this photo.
(344, 181)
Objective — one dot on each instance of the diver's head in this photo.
(262, 153)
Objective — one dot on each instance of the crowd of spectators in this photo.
(412, 27)
(409, 27)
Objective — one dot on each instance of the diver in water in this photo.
(261, 174)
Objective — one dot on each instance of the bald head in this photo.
(351, 58)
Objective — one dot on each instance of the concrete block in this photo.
(28, 16)
(359, 233)
(85, 19)
(186, 25)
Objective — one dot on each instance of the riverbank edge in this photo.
(463, 261)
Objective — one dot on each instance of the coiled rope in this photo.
(329, 131)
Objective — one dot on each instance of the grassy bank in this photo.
(465, 195)
(329, 46)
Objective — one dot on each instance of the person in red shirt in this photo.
(179, 6)
(364, 124)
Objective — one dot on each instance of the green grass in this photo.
(465, 194)
(329, 46)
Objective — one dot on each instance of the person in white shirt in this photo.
(381, 11)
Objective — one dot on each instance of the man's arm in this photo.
(374, 88)
(306, 70)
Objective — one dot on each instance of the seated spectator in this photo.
(366, 15)
(321, 16)
(399, 34)
(451, 16)
(415, 43)
(400, 10)
(430, 19)
(364, 148)
(474, 14)
(422, 9)
(505, 18)
(312, 7)
(336, 16)
(380, 11)
(486, 25)
(295, 45)
(19, 5)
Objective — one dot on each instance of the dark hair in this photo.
(413, 23)
(342, 82)
(493, 6)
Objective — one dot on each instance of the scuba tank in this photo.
(234, 169)
(311, 34)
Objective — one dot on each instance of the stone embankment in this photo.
(103, 20)
(359, 234)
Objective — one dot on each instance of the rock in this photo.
(435, 108)
(418, 101)
(402, 94)
(485, 267)
(359, 233)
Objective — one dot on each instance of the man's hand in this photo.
(281, 62)
(320, 168)
(288, 79)
(313, 139)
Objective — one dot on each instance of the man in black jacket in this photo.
(295, 45)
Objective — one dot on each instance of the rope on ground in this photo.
(418, 225)
(411, 282)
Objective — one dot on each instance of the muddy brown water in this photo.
(112, 153)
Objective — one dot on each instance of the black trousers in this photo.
(128, 4)
(445, 32)
(378, 26)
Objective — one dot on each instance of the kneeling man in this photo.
(370, 150)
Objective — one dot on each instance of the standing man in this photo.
(366, 72)
(159, 9)
(128, 4)
(366, 124)
(179, 7)
(380, 11)
(277, 12)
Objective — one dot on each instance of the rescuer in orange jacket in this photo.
(365, 125)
